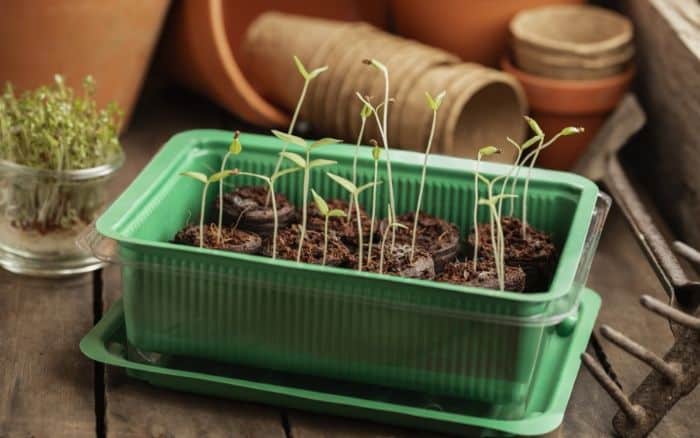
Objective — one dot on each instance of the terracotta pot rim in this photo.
(259, 109)
(521, 31)
(567, 84)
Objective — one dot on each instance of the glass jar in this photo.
(42, 213)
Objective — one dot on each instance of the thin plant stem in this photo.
(374, 205)
(476, 211)
(381, 251)
(201, 215)
(290, 130)
(221, 197)
(304, 203)
(499, 249)
(325, 240)
(359, 230)
(422, 185)
(354, 160)
(515, 167)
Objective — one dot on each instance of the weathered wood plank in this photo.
(134, 408)
(46, 384)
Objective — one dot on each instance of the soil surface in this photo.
(231, 240)
(343, 227)
(483, 276)
(434, 235)
(248, 204)
(536, 255)
(312, 250)
(397, 262)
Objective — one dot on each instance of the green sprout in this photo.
(434, 104)
(327, 214)
(382, 127)
(234, 148)
(305, 164)
(308, 77)
(483, 152)
(533, 155)
(517, 165)
(218, 176)
(376, 154)
(364, 114)
(355, 192)
(270, 181)
(497, 237)
(391, 225)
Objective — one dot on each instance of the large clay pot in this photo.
(110, 40)
(476, 30)
(558, 103)
(202, 48)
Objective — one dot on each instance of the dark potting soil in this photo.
(483, 276)
(397, 261)
(312, 251)
(343, 227)
(231, 240)
(434, 235)
(536, 255)
(249, 204)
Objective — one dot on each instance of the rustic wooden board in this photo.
(46, 384)
(133, 408)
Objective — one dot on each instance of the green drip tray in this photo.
(553, 383)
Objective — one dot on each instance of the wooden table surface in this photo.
(49, 389)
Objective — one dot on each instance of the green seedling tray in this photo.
(552, 383)
(438, 338)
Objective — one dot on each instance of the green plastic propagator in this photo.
(434, 338)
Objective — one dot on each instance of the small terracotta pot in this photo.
(558, 103)
(112, 41)
(476, 30)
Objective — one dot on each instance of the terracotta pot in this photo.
(476, 30)
(203, 39)
(557, 103)
(112, 41)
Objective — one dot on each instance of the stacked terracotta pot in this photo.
(575, 63)
(482, 105)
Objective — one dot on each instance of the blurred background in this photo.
(565, 62)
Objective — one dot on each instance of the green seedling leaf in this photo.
(531, 142)
(255, 175)
(434, 103)
(489, 150)
(302, 70)
(571, 130)
(199, 176)
(314, 73)
(324, 142)
(486, 202)
(320, 203)
(284, 172)
(289, 138)
(336, 213)
(376, 152)
(375, 63)
(294, 158)
(534, 126)
(235, 147)
(364, 187)
(347, 185)
(366, 111)
(218, 176)
(320, 162)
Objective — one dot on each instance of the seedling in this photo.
(305, 164)
(434, 104)
(483, 152)
(355, 192)
(364, 114)
(497, 238)
(382, 126)
(376, 154)
(270, 181)
(327, 214)
(533, 155)
(517, 165)
(308, 77)
(218, 176)
(234, 148)
(391, 225)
